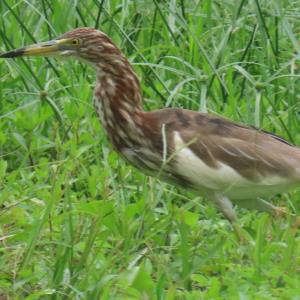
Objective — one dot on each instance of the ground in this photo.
(76, 221)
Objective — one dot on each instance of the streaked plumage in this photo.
(217, 158)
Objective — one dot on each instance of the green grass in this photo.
(76, 221)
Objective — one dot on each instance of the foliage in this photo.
(77, 222)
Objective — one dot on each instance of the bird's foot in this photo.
(295, 226)
(280, 212)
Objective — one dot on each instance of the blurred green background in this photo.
(77, 222)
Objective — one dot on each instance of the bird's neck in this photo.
(117, 100)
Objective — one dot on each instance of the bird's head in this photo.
(85, 43)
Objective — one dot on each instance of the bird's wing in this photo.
(216, 154)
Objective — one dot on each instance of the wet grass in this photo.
(76, 221)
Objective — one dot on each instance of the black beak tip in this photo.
(13, 53)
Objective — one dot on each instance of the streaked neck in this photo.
(117, 100)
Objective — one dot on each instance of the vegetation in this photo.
(76, 221)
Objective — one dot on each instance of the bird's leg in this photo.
(262, 205)
(259, 204)
(225, 206)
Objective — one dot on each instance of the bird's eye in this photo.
(75, 42)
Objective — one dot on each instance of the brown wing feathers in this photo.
(250, 152)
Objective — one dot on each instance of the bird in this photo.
(228, 163)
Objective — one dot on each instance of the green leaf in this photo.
(190, 218)
(143, 281)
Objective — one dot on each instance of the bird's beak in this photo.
(41, 49)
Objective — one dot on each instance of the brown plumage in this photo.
(221, 160)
